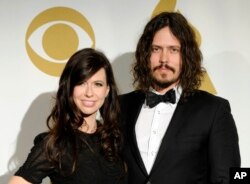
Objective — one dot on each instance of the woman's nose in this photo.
(89, 90)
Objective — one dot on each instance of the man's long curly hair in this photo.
(66, 118)
(191, 72)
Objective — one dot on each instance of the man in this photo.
(189, 137)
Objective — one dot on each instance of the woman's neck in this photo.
(89, 124)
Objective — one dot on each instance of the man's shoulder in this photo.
(207, 96)
(132, 94)
(133, 97)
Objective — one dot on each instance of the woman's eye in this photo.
(82, 83)
(98, 84)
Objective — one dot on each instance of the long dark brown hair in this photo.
(66, 118)
(191, 72)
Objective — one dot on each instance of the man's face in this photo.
(165, 60)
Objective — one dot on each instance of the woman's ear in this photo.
(107, 91)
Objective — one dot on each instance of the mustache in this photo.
(164, 65)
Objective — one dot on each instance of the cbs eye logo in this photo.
(63, 31)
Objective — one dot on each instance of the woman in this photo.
(84, 141)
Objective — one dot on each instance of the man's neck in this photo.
(163, 90)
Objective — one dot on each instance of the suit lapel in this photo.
(177, 120)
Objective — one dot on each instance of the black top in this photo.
(91, 168)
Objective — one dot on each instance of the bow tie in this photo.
(153, 99)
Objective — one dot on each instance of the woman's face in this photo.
(90, 95)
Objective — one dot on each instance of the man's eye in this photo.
(155, 49)
(174, 50)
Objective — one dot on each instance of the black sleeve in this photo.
(223, 145)
(36, 167)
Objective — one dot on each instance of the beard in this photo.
(162, 83)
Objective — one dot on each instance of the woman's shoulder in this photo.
(37, 165)
(40, 138)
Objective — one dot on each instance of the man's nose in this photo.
(164, 56)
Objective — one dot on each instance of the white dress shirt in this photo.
(151, 126)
